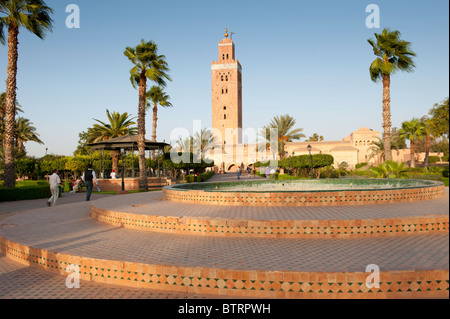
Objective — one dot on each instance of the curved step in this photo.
(410, 266)
(150, 212)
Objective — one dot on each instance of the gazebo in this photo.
(125, 144)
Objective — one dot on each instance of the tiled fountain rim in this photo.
(207, 187)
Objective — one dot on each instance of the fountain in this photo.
(323, 192)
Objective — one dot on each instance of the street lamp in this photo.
(123, 170)
(309, 147)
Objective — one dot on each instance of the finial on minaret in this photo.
(226, 32)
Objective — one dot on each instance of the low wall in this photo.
(131, 183)
(304, 198)
(237, 283)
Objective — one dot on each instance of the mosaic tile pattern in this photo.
(52, 238)
(19, 281)
(275, 229)
(313, 198)
(396, 284)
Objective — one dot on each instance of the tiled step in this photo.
(151, 213)
(52, 239)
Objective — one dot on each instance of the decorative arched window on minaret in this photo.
(229, 70)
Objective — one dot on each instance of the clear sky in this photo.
(309, 59)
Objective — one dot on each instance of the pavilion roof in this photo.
(127, 142)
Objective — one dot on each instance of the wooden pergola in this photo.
(123, 144)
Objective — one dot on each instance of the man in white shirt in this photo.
(55, 181)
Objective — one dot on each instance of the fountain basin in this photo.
(323, 192)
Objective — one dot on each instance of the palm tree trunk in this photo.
(10, 112)
(141, 132)
(115, 160)
(155, 121)
(412, 152)
(427, 151)
(387, 117)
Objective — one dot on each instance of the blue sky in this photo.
(309, 59)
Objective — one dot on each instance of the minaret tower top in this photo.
(227, 93)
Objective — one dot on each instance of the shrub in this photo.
(283, 176)
(433, 159)
(445, 173)
(357, 166)
(445, 158)
(24, 193)
(201, 178)
(329, 172)
(415, 169)
(433, 177)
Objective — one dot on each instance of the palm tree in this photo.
(376, 149)
(25, 132)
(156, 96)
(203, 142)
(147, 65)
(3, 106)
(393, 54)
(428, 130)
(285, 133)
(412, 130)
(33, 15)
(117, 125)
(389, 169)
(315, 138)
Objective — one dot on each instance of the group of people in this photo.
(241, 171)
(270, 173)
(88, 178)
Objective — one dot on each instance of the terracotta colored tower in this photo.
(227, 94)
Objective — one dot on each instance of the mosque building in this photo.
(231, 153)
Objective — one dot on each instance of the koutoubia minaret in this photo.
(227, 94)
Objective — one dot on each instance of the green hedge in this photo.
(433, 177)
(433, 159)
(25, 193)
(357, 166)
(201, 178)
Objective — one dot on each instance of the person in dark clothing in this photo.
(89, 178)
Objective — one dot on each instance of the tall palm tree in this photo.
(156, 96)
(285, 132)
(393, 54)
(412, 130)
(117, 125)
(25, 132)
(33, 15)
(147, 65)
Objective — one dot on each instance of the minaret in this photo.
(227, 94)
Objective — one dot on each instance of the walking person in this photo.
(55, 181)
(239, 173)
(89, 178)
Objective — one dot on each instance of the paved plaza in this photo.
(68, 229)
